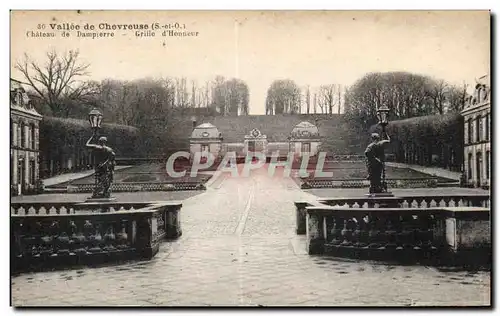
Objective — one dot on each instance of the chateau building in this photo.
(477, 130)
(302, 139)
(24, 141)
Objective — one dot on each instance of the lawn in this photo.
(151, 173)
(357, 170)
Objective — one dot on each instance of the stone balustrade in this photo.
(363, 183)
(139, 186)
(56, 208)
(63, 234)
(405, 201)
(428, 235)
(411, 201)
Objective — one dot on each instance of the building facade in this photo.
(24, 141)
(477, 135)
(304, 138)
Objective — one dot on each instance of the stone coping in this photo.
(461, 212)
(148, 207)
(472, 213)
(406, 196)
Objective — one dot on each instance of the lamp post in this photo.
(95, 119)
(383, 120)
(104, 160)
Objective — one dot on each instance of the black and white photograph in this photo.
(257, 158)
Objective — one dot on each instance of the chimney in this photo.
(193, 120)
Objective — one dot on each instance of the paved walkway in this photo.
(62, 178)
(440, 172)
(239, 248)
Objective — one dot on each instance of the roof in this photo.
(205, 130)
(20, 102)
(337, 134)
(305, 130)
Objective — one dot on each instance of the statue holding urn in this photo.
(375, 155)
(104, 159)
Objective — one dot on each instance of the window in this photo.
(32, 172)
(204, 148)
(23, 136)
(33, 137)
(487, 164)
(478, 129)
(12, 133)
(11, 170)
(479, 169)
(469, 165)
(487, 127)
(13, 95)
(469, 131)
(306, 147)
(20, 171)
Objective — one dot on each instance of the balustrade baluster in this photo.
(29, 241)
(54, 231)
(391, 232)
(404, 237)
(347, 232)
(110, 237)
(78, 240)
(419, 201)
(361, 232)
(374, 232)
(336, 232)
(62, 240)
(122, 236)
(96, 239)
(45, 240)
(427, 202)
(88, 228)
(330, 225)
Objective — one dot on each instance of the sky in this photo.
(309, 47)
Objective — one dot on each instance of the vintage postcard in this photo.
(250, 158)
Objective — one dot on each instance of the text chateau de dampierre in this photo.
(107, 30)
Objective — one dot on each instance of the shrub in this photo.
(60, 138)
(435, 138)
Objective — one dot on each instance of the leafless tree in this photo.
(308, 100)
(59, 82)
(456, 98)
(328, 97)
(437, 91)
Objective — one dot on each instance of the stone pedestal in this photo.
(315, 232)
(300, 213)
(382, 194)
(100, 200)
(385, 203)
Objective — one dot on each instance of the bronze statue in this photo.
(375, 162)
(104, 167)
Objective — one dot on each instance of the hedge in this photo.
(61, 137)
(436, 140)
